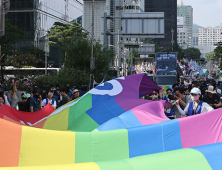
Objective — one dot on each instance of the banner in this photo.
(166, 63)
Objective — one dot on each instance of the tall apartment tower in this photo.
(187, 12)
(210, 36)
(169, 7)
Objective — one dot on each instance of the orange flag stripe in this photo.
(10, 142)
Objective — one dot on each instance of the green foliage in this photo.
(218, 53)
(20, 60)
(71, 76)
(210, 56)
(193, 53)
(39, 55)
(65, 35)
(179, 50)
(12, 34)
(77, 50)
(79, 55)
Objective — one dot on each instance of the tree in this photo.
(39, 55)
(12, 34)
(179, 50)
(21, 60)
(193, 53)
(77, 51)
(218, 52)
(79, 55)
(65, 35)
(210, 56)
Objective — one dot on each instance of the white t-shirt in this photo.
(49, 101)
(205, 107)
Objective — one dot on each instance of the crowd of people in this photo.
(186, 98)
(190, 97)
(38, 99)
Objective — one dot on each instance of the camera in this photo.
(173, 97)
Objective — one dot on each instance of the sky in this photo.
(205, 12)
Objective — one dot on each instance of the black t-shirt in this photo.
(23, 106)
(214, 100)
(65, 100)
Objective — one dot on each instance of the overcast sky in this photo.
(205, 12)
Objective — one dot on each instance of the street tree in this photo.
(79, 55)
(65, 35)
(211, 56)
(22, 60)
(218, 52)
(193, 53)
(179, 50)
(11, 37)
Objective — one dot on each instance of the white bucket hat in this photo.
(211, 89)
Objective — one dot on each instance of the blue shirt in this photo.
(35, 104)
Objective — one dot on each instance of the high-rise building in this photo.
(113, 8)
(181, 32)
(187, 12)
(169, 7)
(195, 38)
(210, 36)
(36, 17)
(99, 9)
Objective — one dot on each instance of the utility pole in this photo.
(124, 5)
(172, 41)
(131, 71)
(92, 57)
(118, 59)
(46, 51)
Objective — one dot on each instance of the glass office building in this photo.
(169, 7)
(36, 17)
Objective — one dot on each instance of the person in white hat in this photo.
(49, 100)
(212, 98)
(75, 94)
(196, 106)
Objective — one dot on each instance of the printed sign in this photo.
(166, 63)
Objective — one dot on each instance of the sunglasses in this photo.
(154, 93)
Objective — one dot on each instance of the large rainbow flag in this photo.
(113, 129)
(100, 104)
(25, 118)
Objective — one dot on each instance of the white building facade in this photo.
(113, 8)
(187, 12)
(182, 36)
(99, 9)
(210, 36)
